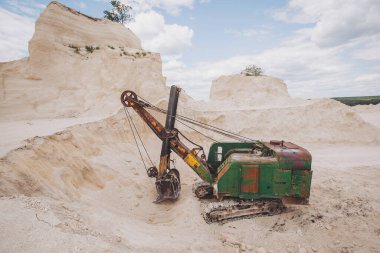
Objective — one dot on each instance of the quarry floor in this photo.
(343, 215)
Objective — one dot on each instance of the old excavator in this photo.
(242, 179)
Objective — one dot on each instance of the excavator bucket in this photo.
(168, 186)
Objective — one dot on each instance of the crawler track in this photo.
(228, 210)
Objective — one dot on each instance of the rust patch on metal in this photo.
(295, 200)
(250, 178)
(291, 152)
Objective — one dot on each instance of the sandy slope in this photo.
(91, 190)
(369, 113)
(14, 133)
(71, 186)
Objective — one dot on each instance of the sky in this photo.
(325, 48)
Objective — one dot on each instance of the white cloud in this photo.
(82, 5)
(248, 33)
(364, 85)
(15, 32)
(304, 66)
(308, 72)
(168, 39)
(300, 11)
(29, 7)
(369, 51)
(336, 22)
(367, 77)
(172, 7)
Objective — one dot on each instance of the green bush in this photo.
(352, 101)
(252, 70)
(89, 49)
(77, 49)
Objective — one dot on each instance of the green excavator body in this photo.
(271, 170)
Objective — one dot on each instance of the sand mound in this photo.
(62, 78)
(367, 108)
(261, 108)
(63, 164)
(369, 113)
(248, 89)
(324, 121)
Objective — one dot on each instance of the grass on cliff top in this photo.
(352, 101)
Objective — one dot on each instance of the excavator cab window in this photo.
(219, 154)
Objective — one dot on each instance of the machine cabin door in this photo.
(250, 178)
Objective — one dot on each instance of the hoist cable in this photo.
(180, 121)
(201, 124)
(142, 143)
(216, 131)
(134, 128)
(137, 145)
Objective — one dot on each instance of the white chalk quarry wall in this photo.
(61, 78)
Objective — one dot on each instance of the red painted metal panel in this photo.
(250, 178)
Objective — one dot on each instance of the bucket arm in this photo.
(130, 99)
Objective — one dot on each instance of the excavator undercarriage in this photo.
(233, 209)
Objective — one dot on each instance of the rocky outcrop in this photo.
(60, 25)
(78, 66)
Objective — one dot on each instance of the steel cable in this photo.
(133, 126)
(201, 124)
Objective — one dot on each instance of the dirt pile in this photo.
(78, 66)
(367, 108)
(251, 90)
(261, 108)
(62, 165)
(369, 113)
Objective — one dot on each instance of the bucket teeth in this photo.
(168, 186)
